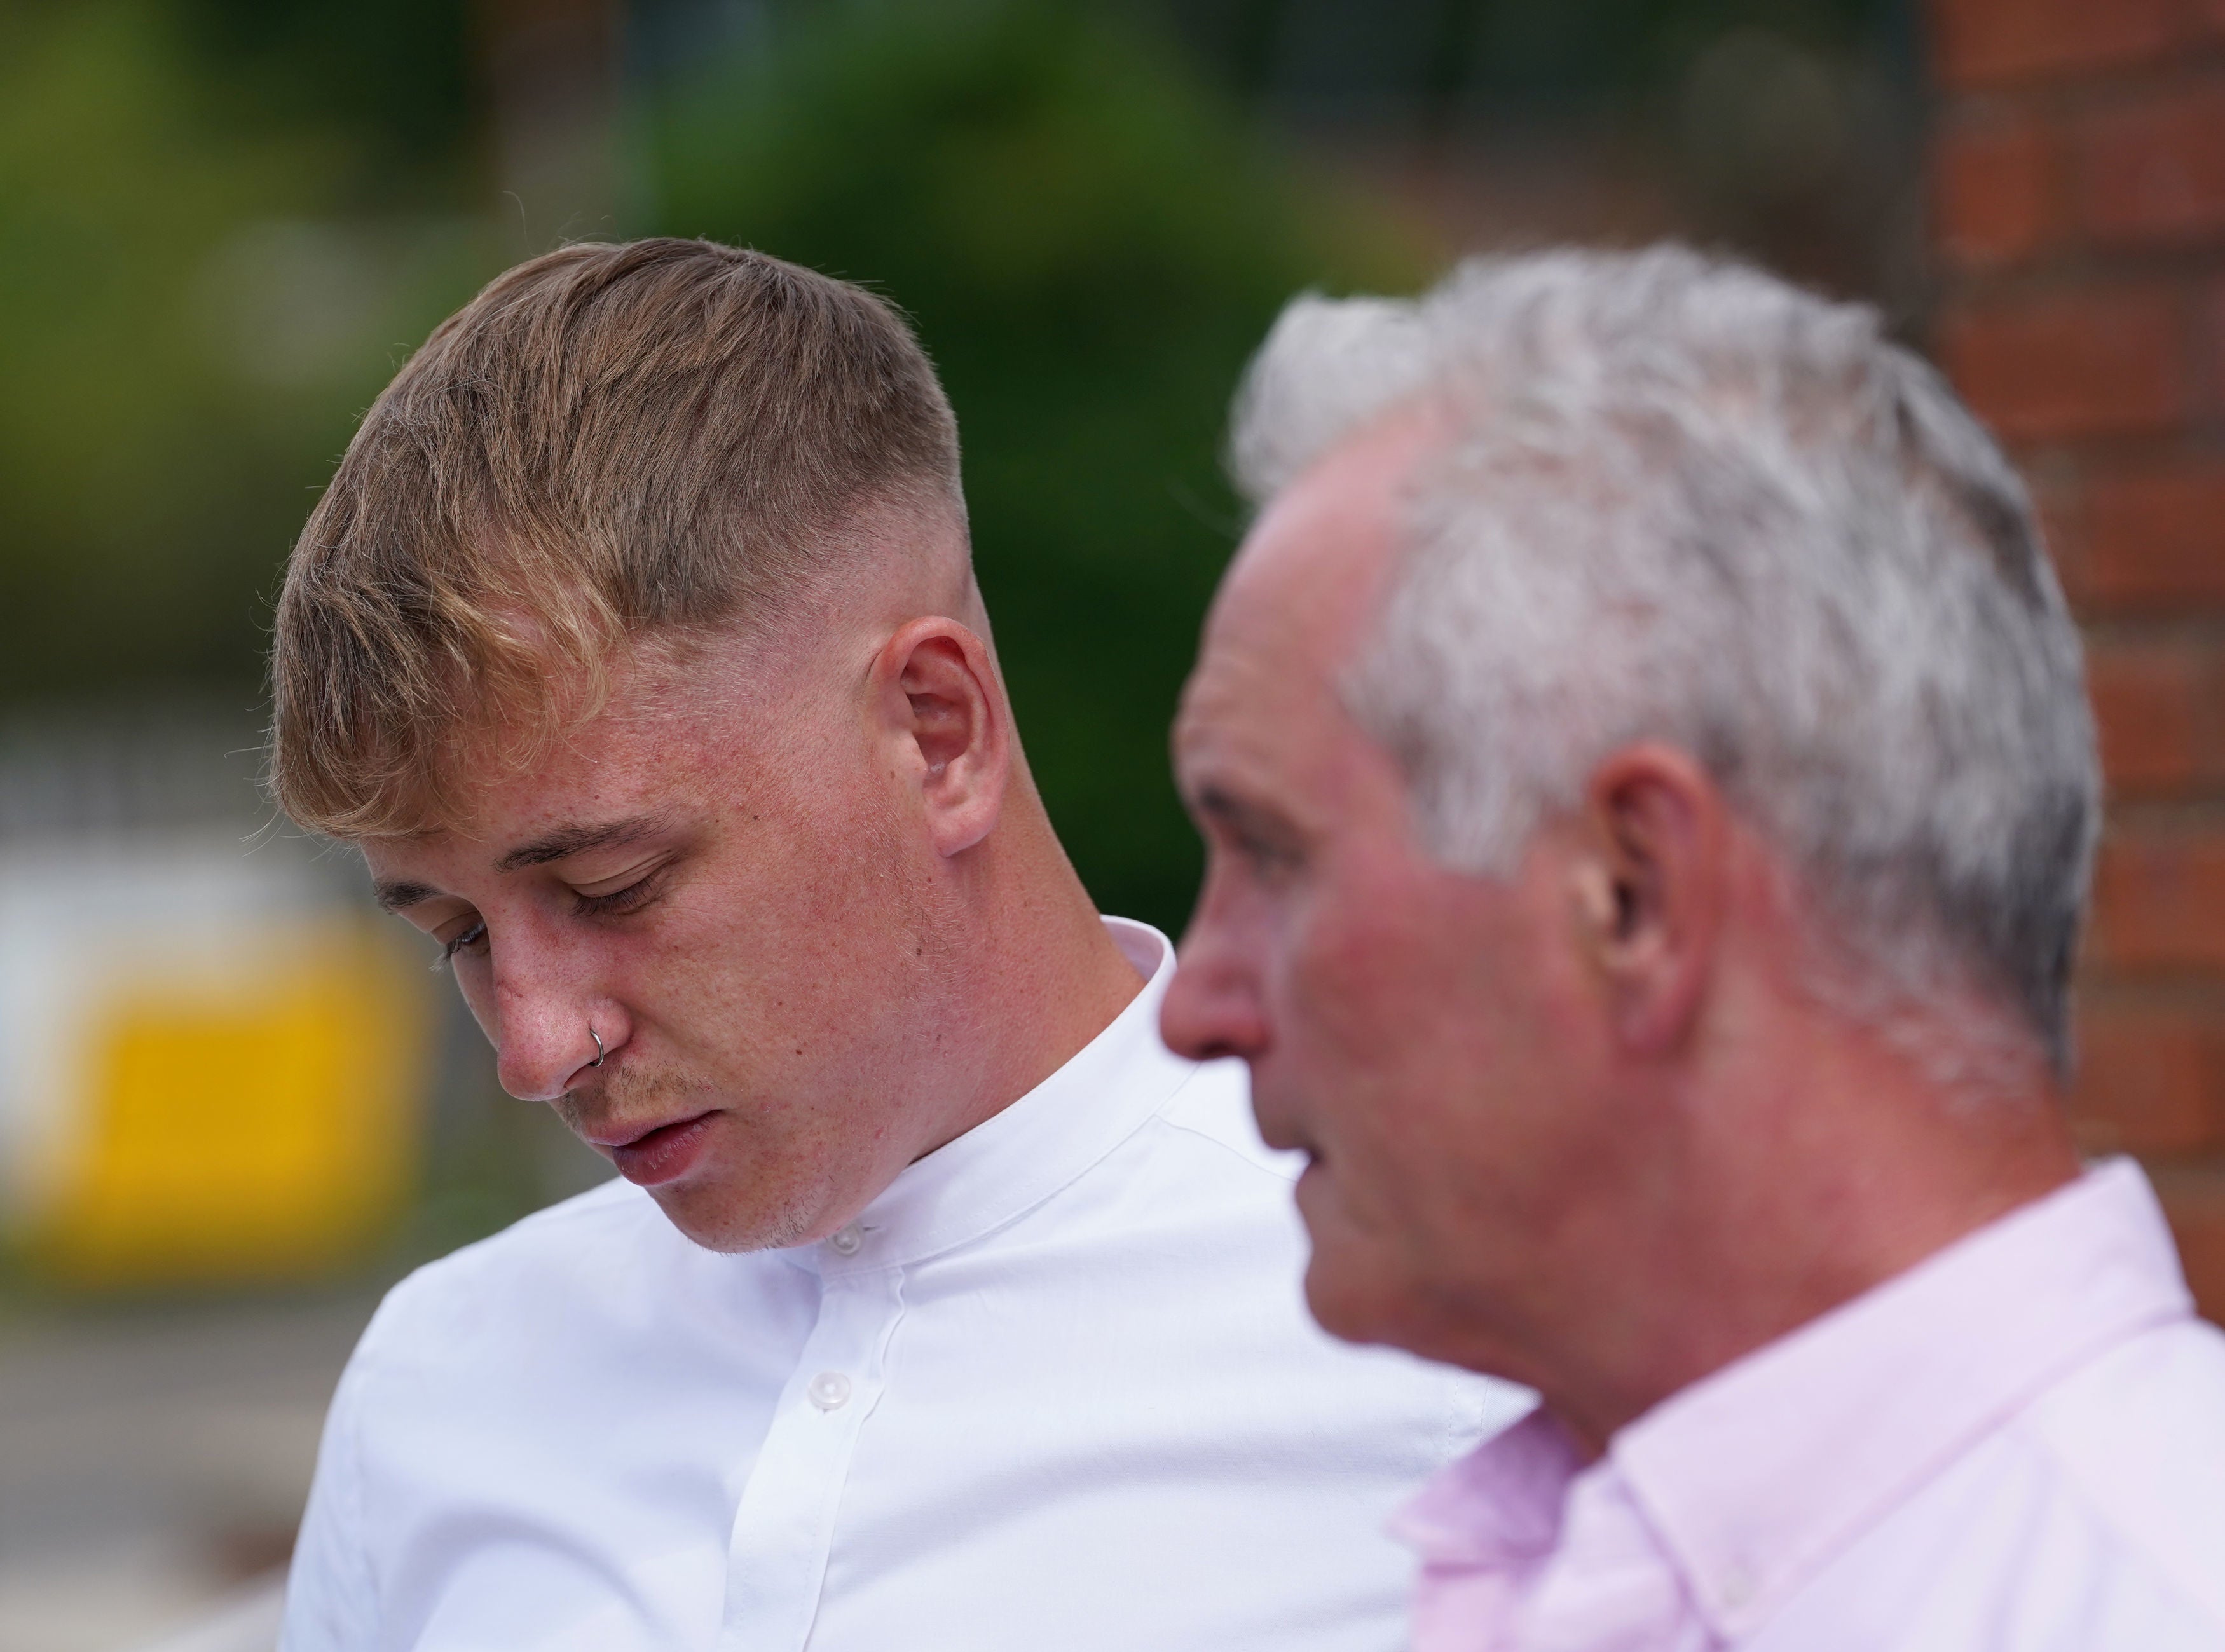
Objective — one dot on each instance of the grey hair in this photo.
(1682, 500)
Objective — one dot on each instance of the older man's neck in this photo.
(1836, 1166)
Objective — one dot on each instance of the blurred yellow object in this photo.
(255, 1126)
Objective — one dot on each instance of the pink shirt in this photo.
(2018, 1444)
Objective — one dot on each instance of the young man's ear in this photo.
(1651, 887)
(938, 699)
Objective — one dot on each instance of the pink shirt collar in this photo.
(1750, 1480)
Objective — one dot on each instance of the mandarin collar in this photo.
(1024, 1155)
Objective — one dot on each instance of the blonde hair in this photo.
(609, 442)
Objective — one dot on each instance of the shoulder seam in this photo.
(580, 1207)
(588, 1202)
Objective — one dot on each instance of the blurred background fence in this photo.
(231, 1109)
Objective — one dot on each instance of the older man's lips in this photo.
(662, 1154)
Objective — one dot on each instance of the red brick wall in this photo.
(2078, 192)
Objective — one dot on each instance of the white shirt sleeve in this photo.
(331, 1605)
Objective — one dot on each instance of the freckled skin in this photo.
(859, 938)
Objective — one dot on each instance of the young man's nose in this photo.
(539, 1058)
(547, 1035)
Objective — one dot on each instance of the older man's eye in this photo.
(471, 939)
(1268, 857)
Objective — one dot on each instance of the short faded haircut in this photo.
(609, 442)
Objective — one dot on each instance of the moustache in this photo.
(610, 1102)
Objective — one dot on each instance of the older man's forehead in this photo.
(1263, 710)
(1317, 559)
(1259, 711)
(1303, 581)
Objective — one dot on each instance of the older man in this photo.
(638, 645)
(1651, 793)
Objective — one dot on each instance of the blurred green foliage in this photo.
(1090, 244)
(1445, 60)
(394, 75)
(222, 222)
(187, 324)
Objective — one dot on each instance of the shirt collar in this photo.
(1012, 1162)
(1756, 1475)
(1501, 1505)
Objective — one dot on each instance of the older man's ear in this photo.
(937, 695)
(1651, 878)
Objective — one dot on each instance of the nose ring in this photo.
(600, 1051)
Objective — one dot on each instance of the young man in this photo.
(637, 643)
(1651, 792)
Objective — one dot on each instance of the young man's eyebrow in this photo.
(566, 841)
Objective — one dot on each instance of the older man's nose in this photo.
(1212, 1007)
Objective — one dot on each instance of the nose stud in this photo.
(600, 1051)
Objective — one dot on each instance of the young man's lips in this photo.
(662, 1154)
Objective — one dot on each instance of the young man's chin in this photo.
(729, 1214)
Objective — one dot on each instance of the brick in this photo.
(2104, 361)
(2151, 1080)
(2154, 705)
(2154, 171)
(1995, 191)
(1983, 41)
(2212, 345)
(2160, 900)
(2155, 537)
(2194, 1200)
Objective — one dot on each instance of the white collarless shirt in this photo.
(1055, 1388)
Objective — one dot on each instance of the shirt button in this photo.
(830, 1390)
(845, 1242)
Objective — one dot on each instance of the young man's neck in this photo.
(1047, 977)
